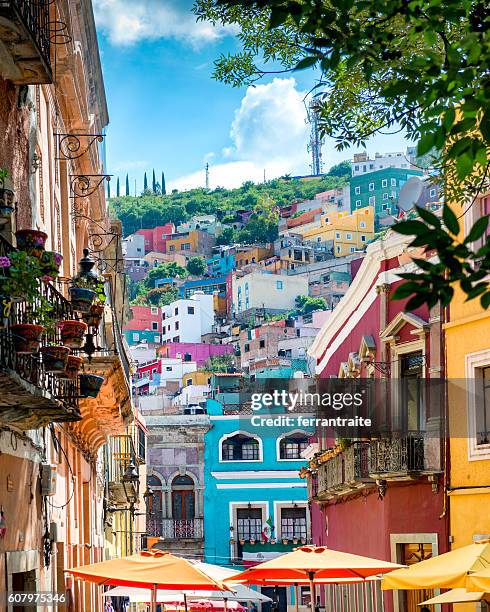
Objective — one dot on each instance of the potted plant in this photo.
(50, 264)
(55, 358)
(31, 241)
(7, 205)
(252, 541)
(242, 541)
(26, 338)
(73, 365)
(285, 541)
(94, 316)
(90, 384)
(82, 295)
(303, 540)
(232, 540)
(72, 333)
(19, 276)
(295, 540)
(273, 540)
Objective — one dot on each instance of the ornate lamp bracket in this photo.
(74, 146)
(83, 185)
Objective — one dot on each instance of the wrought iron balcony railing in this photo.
(25, 27)
(30, 397)
(398, 454)
(182, 529)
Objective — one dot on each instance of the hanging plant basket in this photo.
(55, 358)
(50, 264)
(72, 368)
(26, 338)
(72, 333)
(94, 316)
(90, 385)
(31, 241)
(81, 298)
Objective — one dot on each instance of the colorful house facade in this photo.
(255, 504)
(382, 496)
(468, 371)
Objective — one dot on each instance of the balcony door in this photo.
(183, 506)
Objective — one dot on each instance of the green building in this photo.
(379, 189)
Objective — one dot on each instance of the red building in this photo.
(381, 496)
(145, 318)
(156, 238)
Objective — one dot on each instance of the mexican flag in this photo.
(267, 528)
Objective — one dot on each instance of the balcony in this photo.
(121, 453)
(403, 457)
(175, 529)
(30, 397)
(25, 41)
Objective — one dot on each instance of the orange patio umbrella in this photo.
(152, 569)
(314, 565)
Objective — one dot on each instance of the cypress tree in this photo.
(108, 189)
(145, 183)
(127, 185)
(154, 183)
(164, 190)
(118, 192)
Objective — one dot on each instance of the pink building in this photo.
(190, 351)
(145, 318)
(156, 238)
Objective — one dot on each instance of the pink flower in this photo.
(58, 259)
(39, 241)
(4, 262)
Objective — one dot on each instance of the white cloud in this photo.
(128, 22)
(268, 133)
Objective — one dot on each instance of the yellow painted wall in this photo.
(467, 332)
(175, 244)
(199, 377)
(335, 226)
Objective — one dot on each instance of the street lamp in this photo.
(130, 482)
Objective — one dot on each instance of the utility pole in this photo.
(207, 176)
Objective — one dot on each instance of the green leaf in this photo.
(428, 217)
(306, 62)
(450, 220)
(477, 230)
(485, 300)
(426, 143)
(405, 290)
(416, 301)
(278, 17)
(411, 228)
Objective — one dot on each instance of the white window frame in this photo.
(385, 195)
(243, 433)
(372, 201)
(362, 224)
(474, 361)
(358, 203)
(393, 182)
(348, 236)
(371, 186)
(357, 190)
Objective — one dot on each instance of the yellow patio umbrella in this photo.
(453, 596)
(313, 565)
(479, 581)
(447, 571)
(152, 569)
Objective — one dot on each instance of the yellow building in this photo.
(246, 255)
(348, 232)
(468, 371)
(200, 377)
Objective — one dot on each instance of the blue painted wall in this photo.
(248, 481)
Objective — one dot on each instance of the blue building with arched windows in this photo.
(252, 488)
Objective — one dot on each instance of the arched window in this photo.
(291, 446)
(240, 447)
(183, 499)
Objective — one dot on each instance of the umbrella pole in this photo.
(153, 607)
(296, 596)
(311, 576)
(225, 604)
(185, 602)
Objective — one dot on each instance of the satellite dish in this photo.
(410, 193)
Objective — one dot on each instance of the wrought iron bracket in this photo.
(84, 185)
(58, 33)
(74, 146)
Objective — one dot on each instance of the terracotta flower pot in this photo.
(90, 385)
(50, 264)
(94, 316)
(32, 241)
(73, 365)
(26, 338)
(72, 333)
(81, 299)
(55, 358)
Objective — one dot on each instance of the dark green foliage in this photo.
(196, 266)
(343, 169)
(305, 304)
(166, 270)
(145, 183)
(154, 183)
(150, 210)
(127, 185)
(163, 187)
(162, 296)
(227, 237)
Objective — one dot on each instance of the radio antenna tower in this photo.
(207, 176)
(316, 139)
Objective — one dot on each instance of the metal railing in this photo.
(174, 529)
(356, 462)
(34, 15)
(404, 453)
(30, 367)
(121, 454)
(312, 482)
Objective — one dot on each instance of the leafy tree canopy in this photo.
(306, 304)
(165, 270)
(196, 266)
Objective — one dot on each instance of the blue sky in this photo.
(167, 113)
